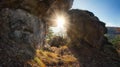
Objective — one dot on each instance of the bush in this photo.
(58, 41)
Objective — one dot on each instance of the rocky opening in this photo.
(23, 28)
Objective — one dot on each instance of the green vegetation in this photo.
(49, 35)
(115, 41)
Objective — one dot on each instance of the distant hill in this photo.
(113, 31)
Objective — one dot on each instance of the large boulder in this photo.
(86, 26)
(20, 34)
(88, 42)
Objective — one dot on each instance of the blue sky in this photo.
(108, 11)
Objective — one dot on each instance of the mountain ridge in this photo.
(113, 30)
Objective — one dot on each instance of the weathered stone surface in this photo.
(88, 42)
(87, 26)
(20, 34)
(37, 7)
(60, 5)
(41, 8)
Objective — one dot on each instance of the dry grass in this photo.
(39, 62)
(45, 58)
(69, 59)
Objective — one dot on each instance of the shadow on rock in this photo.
(88, 42)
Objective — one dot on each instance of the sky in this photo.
(107, 11)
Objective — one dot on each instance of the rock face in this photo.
(36, 7)
(40, 8)
(20, 34)
(60, 5)
(23, 29)
(88, 42)
(88, 26)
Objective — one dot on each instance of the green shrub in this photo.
(115, 41)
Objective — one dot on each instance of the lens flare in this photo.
(60, 20)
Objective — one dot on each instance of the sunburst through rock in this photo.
(60, 19)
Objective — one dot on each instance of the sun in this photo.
(60, 21)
